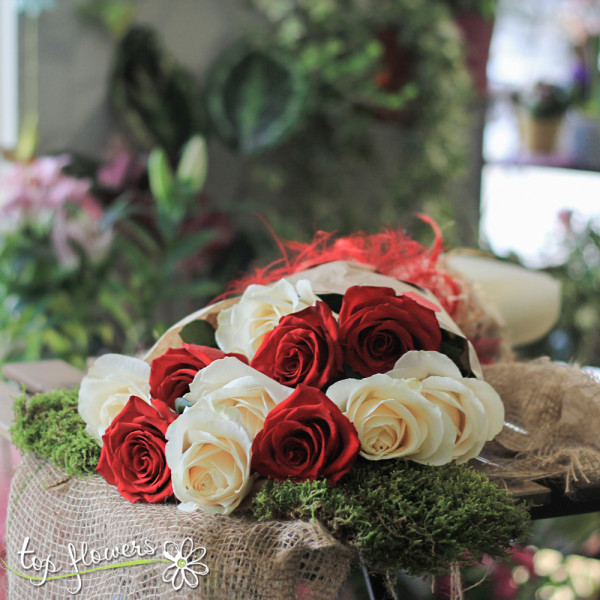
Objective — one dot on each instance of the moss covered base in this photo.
(404, 516)
(49, 425)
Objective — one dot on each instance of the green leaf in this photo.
(456, 348)
(188, 245)
(181, 404)
(256, 97)
(160, 177)
(334, 301)
(199, 332)
(158, 101)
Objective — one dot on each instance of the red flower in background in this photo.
(133, 454)
(377, 327)
(303, 348)
(305, 437)
(172, 373)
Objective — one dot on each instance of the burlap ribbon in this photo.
(554, 411)
(246, 559)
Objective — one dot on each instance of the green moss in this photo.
(49, 425)
(405, 516)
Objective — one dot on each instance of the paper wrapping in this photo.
(330, 278)
(527, 302)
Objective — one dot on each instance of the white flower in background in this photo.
(230, 383)
(106, 388)
(394, 420)
(475, 408)
(209, 457)
(242, 327)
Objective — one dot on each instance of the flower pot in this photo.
(540, 135)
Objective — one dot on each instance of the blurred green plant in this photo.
(176, 250)
(158, 102)
(256, 97)
(379, 136)
(345, 115)
(159, 255)
(546, 101)
(77, 279)
(55, 254)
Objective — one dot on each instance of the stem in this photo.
(363, 566)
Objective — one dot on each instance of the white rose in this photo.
(107, 387)
(209, 457)
(229, 383)
(474, 406)
(394, 420)
(242, 327)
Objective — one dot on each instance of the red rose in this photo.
(172, 373)
(304, 437)
(133, 454)
(377, 327)
(303, 348)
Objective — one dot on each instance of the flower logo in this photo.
(186, 564)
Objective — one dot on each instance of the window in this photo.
(523, 195)
(8, 74)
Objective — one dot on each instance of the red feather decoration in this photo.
(390, 252)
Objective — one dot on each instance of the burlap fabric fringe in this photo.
(555, 411)
(247, 560)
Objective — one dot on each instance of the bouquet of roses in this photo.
(326, 410)
(293, 381)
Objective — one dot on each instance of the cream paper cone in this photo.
(528, 302)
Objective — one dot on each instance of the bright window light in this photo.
(8, 74)
(521, 206)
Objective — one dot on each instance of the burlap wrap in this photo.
(247, 560)
(557, 409)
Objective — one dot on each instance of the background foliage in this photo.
(343, 116)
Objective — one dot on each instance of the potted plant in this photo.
(543, 110)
